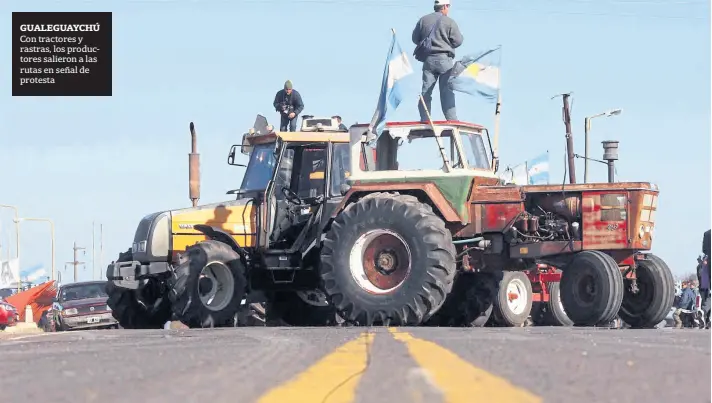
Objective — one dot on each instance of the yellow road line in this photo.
(335, 376)
(460, 381)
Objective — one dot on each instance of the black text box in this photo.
(61, 54)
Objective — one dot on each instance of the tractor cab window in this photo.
(475, 151)
(260, 167)
(339, 168)
(308, 178)
(415, 150)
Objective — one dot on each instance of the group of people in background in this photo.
(690, 289)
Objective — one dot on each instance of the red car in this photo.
(8, 315)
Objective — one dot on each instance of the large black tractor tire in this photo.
(513, 302)
(387, 259)
(208, 285)
(591, 289)
(470, 303)
(287, 308)
(132, 312)
(551, 313)
(656, 293)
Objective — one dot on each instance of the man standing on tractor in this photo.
(436, 37)
(289, 104)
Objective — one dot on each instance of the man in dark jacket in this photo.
(438, 58)
(289, 104)
(687, 300)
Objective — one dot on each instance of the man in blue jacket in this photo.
(687, 300)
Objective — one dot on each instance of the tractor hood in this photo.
(159, 235)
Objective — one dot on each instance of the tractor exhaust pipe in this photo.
(610, 154)
(193, 168)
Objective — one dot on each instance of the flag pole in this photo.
(497, 112)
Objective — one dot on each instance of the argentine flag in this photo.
(397, 67)
(538, 170)
(476, 74)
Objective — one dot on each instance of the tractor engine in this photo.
(548, 218)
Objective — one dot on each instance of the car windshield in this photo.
(83, 291)
(474, 148)
(260, 167)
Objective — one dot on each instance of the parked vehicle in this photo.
(82, 305)
(8, 314)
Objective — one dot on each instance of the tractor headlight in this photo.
(70, 311)
(641, 231)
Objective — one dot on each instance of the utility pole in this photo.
(93, 252)
(76, 263)
(101, 245)
(569, 138)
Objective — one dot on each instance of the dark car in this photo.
(82, 305)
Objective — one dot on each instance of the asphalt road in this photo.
(339, 365)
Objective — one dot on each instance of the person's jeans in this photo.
(287, 121)
(437, 67)
(677, 319)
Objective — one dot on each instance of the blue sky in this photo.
(219, 63)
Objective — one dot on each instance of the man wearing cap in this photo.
(436, 37)
(289, 104)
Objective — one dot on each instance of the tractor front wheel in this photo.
(647, 304)
(208, 285)
(513, 303)
(132, 309)
(591, 288)
(387, 259)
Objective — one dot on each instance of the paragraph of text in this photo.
(61, 54)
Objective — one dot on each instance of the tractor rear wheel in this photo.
(387, 259)
(652, 301)
(132, 309)
(591, 288)
(513, 302)
(208, 285)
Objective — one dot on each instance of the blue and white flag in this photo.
(397, 67)
(477, 74)
(538, 170)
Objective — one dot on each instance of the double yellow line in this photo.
(334, 378)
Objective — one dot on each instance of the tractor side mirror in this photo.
(231, 155)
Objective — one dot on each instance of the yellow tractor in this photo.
(161, 272)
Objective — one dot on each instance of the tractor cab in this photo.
(296, 181)
(416, 149)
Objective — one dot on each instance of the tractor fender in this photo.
(426, 189)
(220, 235)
